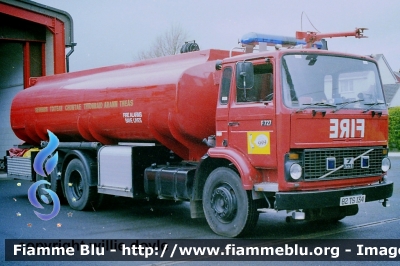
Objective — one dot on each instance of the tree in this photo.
(168, 43)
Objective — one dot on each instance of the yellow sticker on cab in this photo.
(258, 142)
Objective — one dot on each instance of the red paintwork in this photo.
(318, 130)
(249, 174)
(311, 37)
(174, 97)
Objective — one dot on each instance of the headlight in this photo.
(385, 164)
(295, 171)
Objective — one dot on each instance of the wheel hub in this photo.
(224, 204)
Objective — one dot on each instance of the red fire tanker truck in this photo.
(296, 128)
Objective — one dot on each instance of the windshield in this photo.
(323, 81)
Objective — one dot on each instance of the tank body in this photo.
(169, 100)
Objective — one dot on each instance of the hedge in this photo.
(394, 128)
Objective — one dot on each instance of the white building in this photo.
(390, 81)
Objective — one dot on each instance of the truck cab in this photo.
(306, 131)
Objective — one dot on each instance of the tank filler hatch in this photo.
(188, 47)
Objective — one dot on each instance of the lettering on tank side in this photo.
(132, 117)
(85, 106)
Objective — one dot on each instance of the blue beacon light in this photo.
(271, 40)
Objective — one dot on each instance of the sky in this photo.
(109, 32)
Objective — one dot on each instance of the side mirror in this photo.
(244, 75)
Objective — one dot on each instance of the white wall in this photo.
(396, 100)
(49, 53)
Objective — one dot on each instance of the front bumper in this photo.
(330, 198)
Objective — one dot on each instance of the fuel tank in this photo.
(169, 100)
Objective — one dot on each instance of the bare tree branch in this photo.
(168, 43)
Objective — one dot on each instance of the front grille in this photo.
(314, 162)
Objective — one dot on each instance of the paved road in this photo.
(124, 218)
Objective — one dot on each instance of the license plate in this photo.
(351, 200)
(348, 163)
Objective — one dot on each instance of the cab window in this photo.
(263, 86)
(225, 85)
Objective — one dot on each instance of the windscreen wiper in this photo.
(344, 104)
(372, 105)
(319, 104)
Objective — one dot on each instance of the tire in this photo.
(79, 194)
(229, 209)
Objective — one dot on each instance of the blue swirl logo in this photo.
(44, 163)
(45, 160)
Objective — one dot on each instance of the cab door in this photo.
(251, 114)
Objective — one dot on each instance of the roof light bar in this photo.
(273, 40)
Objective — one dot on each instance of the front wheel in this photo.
(229, 209)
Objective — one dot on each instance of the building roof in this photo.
(383, 63)
(390, 91)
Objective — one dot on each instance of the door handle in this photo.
(233, 124)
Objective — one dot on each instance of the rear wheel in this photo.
(80, 195)
(229, 209)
